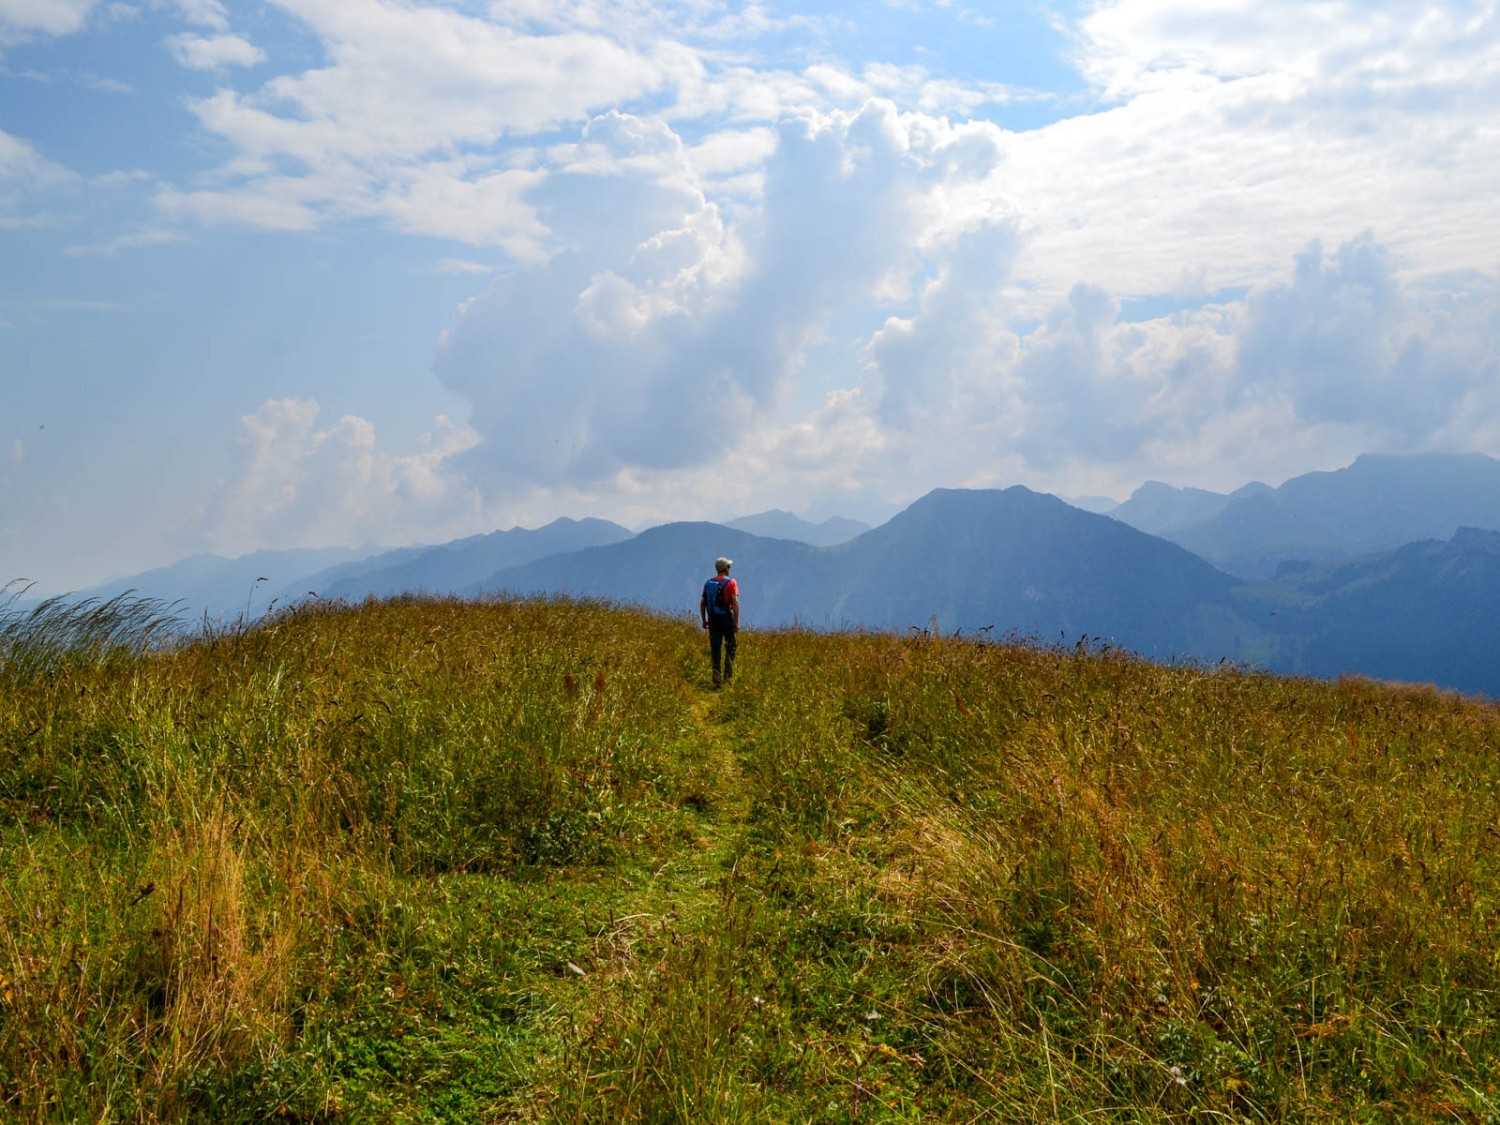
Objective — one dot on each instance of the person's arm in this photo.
(734, 608)
(703, 607)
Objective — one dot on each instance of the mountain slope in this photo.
(1376, 504)
(455, 566)
(1427, 612)
(664, 568)
(1017, 560)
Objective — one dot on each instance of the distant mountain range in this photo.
(225, 589)
(1388, 568)
(220, 588)
(1012, 561)
(1016, 562)
(1376, 504)
(452, 566)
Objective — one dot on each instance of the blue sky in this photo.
(340, 272)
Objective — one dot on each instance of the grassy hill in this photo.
(435, 861)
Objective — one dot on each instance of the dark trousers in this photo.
(721, 634)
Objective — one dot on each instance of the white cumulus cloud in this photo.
(19, 18)
(410, 120)
(664, 334)
(212, 52)
(1336, 356)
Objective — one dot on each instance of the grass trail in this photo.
(661, 989)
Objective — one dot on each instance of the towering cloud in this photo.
(297, 485)
(664, 332)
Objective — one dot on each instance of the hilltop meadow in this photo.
(515, 861)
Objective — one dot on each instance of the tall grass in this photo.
(428, 860)
(59, 631)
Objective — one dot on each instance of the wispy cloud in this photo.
(410, 121)
(78, 78)
(915, 87)
(29, 185)
(278, 204)
(441, 121)
(462, 266)
(115, 246)
(205, 13)
(1387, 49)
(62, 304)
(20, 161)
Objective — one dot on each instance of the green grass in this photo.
(436, 861)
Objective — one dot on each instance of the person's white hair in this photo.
(722, 564)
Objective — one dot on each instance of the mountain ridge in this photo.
(775, 523)
(1013, 561)
(1377, 503)
(454, 565)
(892, 577)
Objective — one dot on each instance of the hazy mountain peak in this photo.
(1099, 505)
(776, 523)
(1159, 508)
(1478, 539)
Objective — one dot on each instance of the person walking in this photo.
(720, 609)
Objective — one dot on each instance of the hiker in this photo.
(720, 610)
